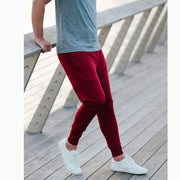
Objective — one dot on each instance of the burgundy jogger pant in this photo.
(87, 72)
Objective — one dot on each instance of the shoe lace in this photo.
(128, 157)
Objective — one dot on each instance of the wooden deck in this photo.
(140, 103)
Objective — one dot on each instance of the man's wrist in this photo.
(39, 39)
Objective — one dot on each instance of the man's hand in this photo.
(45, 45)
(38, 9)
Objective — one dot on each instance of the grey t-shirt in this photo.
(76, 26)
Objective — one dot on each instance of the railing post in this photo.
(163, 36)
(103, 34)
(29, 65)
(124, 60)
(47, 101)
(118, 42)
(72, 98)
(157, 34)
(141, 48)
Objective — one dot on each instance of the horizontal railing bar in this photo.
(104, 18)
(113, 15)
(31, 48)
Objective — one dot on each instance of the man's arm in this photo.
(38, 9)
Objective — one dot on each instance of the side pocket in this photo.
(74, 60)
(63, 58)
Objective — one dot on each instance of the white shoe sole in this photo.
(128, 166)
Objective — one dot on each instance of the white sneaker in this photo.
(71, 158)
(127, 165)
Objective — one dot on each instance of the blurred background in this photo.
(139, 93)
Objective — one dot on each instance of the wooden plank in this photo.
(88, 153)
(152, 146)
(140, 157)
(47, 101)
(161, 174)
(53, 166)
(54, 159)
(141, 48)
(145, 153)
(72, 98)
(43, 69)
(154, 163)
(118, 42)
(34, 139)
(38, 85)
(143, 112)
(122, 94)
(53, 153)
(157, 34)
(124, 59)
(145, 91)
(123, 99)
(136, 144)
(42, 73)
(63, 128)
(29, 65)
(124, 107)
(131, 150)
(96, 162)
(98, 136)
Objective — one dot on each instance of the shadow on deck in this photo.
(140, 103)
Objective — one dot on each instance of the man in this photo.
(82, 58)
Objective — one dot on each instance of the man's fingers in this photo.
(45, 45)
(49, 47)
(46, 48)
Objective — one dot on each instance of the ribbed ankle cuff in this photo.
(116, 151)
(74, 136)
